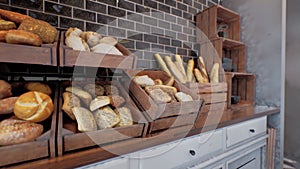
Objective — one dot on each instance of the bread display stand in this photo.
(70, 57)
(164, 116)
(69, 139)
(46, 54)
(43, 147)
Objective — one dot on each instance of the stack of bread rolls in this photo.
(17, 28)
(91, 42)
(30, 108)
(95, 106)
(191, 73)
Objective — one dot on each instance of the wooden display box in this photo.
(70, 57)
(164, 116)
(215, 16)
(46, 54)
(42, 147)
(70, 139)
(242, 85)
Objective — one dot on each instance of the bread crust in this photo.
(23, 37)
(7, 105)
(2, 35)
(13, 16)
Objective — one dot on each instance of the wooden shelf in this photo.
(229, 43)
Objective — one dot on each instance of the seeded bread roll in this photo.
(106, 117)
(7, 105)
(70, 101)
(39, 87)
(85, 119)
(23, 37)
(94, 89)
(98, 102)
(116, 100)
(14, 131)
(125, 116)
(84, 96)
(144, 80)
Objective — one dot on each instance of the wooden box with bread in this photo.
(27, 40)
(27, 121)
(87, 48)
(165, 102)
(96, 114)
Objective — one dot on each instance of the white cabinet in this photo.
(246, 161)
(115, 163)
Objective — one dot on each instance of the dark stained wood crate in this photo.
(164, 116)
(46, 54)
(70, 139)
(43, 147)
(70, 57)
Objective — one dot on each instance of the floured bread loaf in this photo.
(106, 117)
(183, 97)
(91, 38)
(109, 40)
(98, 102)
(170, 90)
(158, 95)
(85, 119)
(106, 49)
(70, 101)
(144, 80)
(76, 43)
(73, 32)
(125, 116)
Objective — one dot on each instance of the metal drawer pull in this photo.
(252, 130)
(192, 152)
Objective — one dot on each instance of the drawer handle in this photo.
(252, 130)
(193, 152)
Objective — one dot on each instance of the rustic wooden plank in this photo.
(242, 63)
(212, 30)
(250, 89)
(203, 88)
(199, 27)
(205, 22)
(214, 97)
(229, 89)
(242, 88)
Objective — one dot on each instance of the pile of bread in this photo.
(96, 106)
(91, 41)
(159, 92)
(191, 73)
(29, 109)
(17, 28)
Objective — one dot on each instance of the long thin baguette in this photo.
(174, 69)
(177, 64)
(214, 75)
(189, 70)
(162, 64)
(179, 60)
(202, 66)
(199, 76)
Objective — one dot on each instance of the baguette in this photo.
(214, 75)
(84, 96)
(98, 102)
(189, 70)
(85, 119)
(162, 64)
(202, 67)
(180, 62)
(174, 70)
(177, 64)
(199, 76)
(23, 37)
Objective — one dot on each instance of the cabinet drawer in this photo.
(245, 130)
(115, 163)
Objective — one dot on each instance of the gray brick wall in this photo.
(143, 26)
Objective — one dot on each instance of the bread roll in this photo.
(39, 87)
(73, 32)
(94, 89)
(33, 106)
(171, 81)
(106, 49)
(13, 16)
(2, 35)
(162, 64)
(84, 96)
(183, 97)
(70, 101)
(23, 37)
(106, 117)
(144, 80)
(91, 38)
(158, 95)
(14, 131)
(169, 89)
(109, 40)
(76, 43)
(5, 89)
(7, 105)
(174, 70)
(85, 119)
(158, 82)
(98, 102)
(125, 116)
(111, 90)
(214, 75)
(189, 70)
(7, 25)
(116, 100)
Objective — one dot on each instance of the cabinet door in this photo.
(115, 163)
(219, 166)
(248, 161)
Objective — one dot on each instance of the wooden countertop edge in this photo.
(99, 154)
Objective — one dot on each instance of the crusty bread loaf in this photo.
(162, 64)
(171, 91)
(106, 117)
(13, 16)
(23, 37)
(73, 32)
(125, 116)
(214, 74)
(116, 100)
(106, 49)
(109, 40)
(94, 89)
(174, 70)
(199, 76)
(180, 63)
(84, 96)
(7, 105)
(91, 38)
(189, 70)
(39, 87)
(70, 101)
(85, 119)
(76, 43)
(2, 35)
(111, 90)
(98, 102)
(158, 95)
(14, 131)
(183, 97)
(7, 25)
(33, 106)
(5, 89)
(144, 80)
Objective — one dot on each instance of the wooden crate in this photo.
(243, 85)
(164, 116)
(209, 19)
(43, 147)
(70, 139)
(46, 54)
(70, 57)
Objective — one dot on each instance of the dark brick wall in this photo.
(144, 26)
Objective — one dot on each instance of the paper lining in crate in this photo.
(164, 115)
(70, 138)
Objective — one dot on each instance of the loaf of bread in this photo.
(98, 102)
(162, 64)
(158, 95)
(2, 35)
(14, 131)
(106, 117)
(7, 105)
(84, 96)
(180, 63)
(23, 37)
(116, 100)
(170, 82)
(174, 70)
(106, 49)
(125, 116)
(76, 43)
(33, 106)
(85, 119)
(91, 38)
(183, 97)
(7, 25)
(109, 40)
(5, 89)
(94, 89)
(70, 101)
(189, 70)
(199, 76)
(111, 90)
(203, 68)
(214, 74)
(39, 87)
(144, 80)
(158, 82)
(13, 16)
(73, 32)
(171, 91)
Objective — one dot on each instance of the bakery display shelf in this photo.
(46, 54)
(42, 147)
(168, 115)
(70, 57)
(69, 139)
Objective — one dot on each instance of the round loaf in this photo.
(33, 106)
